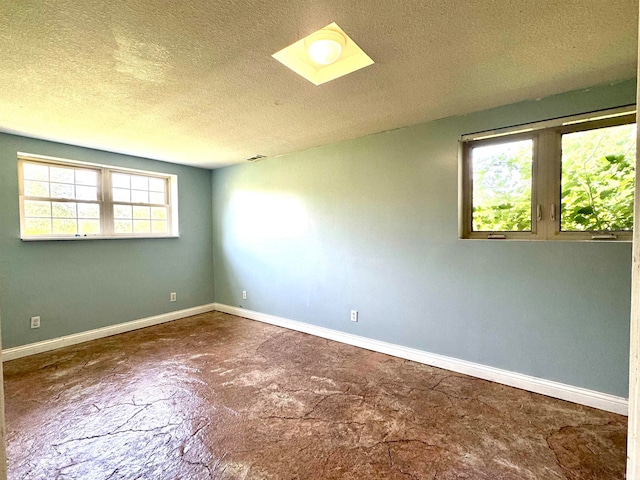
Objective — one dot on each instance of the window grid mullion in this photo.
(544, 182)
(171, 204)
(537, 174)
(60, 200)
(554, 183)
(107, 203)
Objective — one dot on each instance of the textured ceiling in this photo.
(193, 81)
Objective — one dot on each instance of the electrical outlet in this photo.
(244, 294)
(173, 297)
(35, 322)
(354, 315)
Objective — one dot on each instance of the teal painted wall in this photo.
(371, 224)
(81, 285)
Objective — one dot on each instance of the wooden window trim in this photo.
(546, 175)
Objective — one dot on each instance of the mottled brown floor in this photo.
(216, 396)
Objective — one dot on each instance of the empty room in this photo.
(319, 240)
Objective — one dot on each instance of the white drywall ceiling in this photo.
(193, 81)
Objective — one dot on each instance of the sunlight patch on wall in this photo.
(268, 216)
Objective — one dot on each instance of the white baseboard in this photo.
(582, 396)
(47, 345)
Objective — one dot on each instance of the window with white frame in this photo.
(566, 179)
(64, 199)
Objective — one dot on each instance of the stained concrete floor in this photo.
(220, 397)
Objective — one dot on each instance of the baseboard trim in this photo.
(54, 343)
(582, 396)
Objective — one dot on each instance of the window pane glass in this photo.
(35, 172)
(33, 208)
(121, 195)
(66, 199)
(138, 196)
(36, 189)
(122, 211)
(139, 183)
(86, 193)
(120, 180)
(65, 226)
(89, 227)
(502, 186)
(142, 212)
(157, 198)
(598, 177)
(37, 226)
(122, 226)
(88, 210)
(142, 226)
(159, 213)
(86, 177)
(64, 210)
(62, 190)
(157, 184)
(159, 226)
(62, 175)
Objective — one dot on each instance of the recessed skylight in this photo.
(324, 55)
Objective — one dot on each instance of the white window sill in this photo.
(557, 239)
(95, 237)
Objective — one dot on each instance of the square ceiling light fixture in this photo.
(324, 55)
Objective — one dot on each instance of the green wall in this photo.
(81, 285)
(371, 224)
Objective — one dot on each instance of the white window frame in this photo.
(546, 175)
(105, 199)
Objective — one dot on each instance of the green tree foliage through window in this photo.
(598, 179)
(502, 186)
